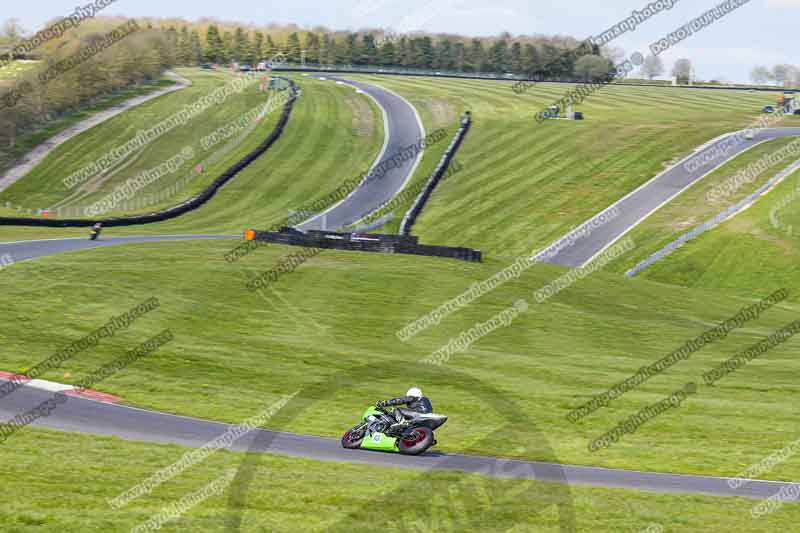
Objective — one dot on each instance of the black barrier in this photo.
(387, 244)
(419, 204)
(178, 210)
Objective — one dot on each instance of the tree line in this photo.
(538, 57)
(139, 57)
(163, 43)
(781, 75)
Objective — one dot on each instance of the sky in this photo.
(761, 32)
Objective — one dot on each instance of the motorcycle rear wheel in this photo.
(420, 440)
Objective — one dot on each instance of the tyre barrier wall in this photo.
(499, 77)
(419, 204)
(183, 208)
(387, 244)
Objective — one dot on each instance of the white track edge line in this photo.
(375, 164)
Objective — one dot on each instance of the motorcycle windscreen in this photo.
(371, 412)
(379, 442)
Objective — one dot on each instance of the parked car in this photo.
(768, 109)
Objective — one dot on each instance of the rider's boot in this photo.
(400, 426)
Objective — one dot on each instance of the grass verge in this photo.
(338, 313)
(42, 495)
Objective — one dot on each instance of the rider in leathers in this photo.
(416, 402)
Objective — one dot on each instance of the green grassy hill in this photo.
(43, 187)
(336, 317)
(340, 311)
(744, 254)
(334, 135)
(519, 178)
(530, 183)
(28, 140)
(15, 69)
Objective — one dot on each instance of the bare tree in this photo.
(761, 74)
(781, 74)
(682, 70)
(591, 67)
(11, 32)
(138, 57)
(652, 67)
(792, 76)
(615, 54)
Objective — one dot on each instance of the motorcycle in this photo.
(95, 233)
(380, 431)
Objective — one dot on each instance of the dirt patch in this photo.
(363, 117)
(672, 162)
(443, 113)
(683, 225)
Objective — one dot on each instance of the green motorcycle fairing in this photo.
(378, 441)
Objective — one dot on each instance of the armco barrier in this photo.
(178, 210)
(387, 244)
(419, 204)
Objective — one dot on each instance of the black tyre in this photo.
(352, 439)
(418, 442)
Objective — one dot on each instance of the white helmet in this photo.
(415, 392)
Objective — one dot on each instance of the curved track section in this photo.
(24, 250)
(402, 128)
(87, 416)
(644, 201)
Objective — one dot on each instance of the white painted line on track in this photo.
(49, 386)
(665, 202)
(375, 164)
(380, 156)
(413, 167)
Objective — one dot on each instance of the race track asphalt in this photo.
(24, 250)
(403, 128)
(86, 416)
(641, 203)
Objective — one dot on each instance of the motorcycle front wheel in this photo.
(353, 438)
